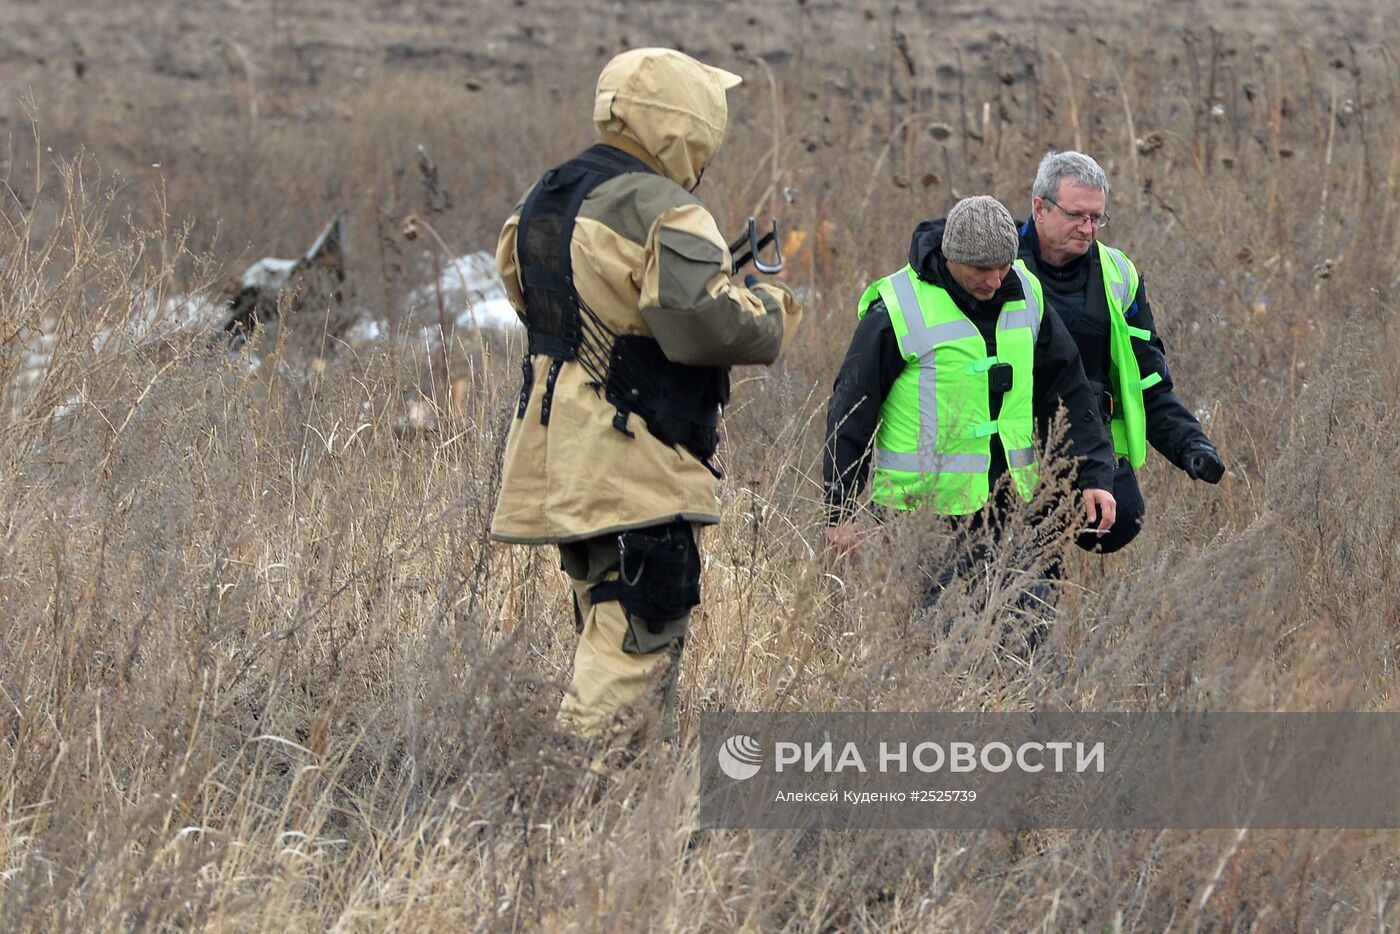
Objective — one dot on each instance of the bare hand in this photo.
(843, 537)
(1101, 506)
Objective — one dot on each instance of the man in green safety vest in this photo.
(1099, 294)
(957, 365)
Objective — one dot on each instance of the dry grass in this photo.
(261, 669)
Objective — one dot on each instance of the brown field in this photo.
(260, 668)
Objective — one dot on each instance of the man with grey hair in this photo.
(956, 368)
(1100, 296)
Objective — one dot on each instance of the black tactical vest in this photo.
(679, 403)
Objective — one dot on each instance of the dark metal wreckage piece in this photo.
(751, 239)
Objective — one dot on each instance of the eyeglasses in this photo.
(1076, 218)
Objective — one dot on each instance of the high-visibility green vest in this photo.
(934, 445)
(1126, 383)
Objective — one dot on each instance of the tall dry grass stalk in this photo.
(262, 669)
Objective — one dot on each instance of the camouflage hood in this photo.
(666, 104)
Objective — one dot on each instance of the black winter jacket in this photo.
(873, 362)
(1171, 428)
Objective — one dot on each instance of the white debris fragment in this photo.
(268, 273)
(468, 286)
(365, 331)
(152, 317)
(471, 291)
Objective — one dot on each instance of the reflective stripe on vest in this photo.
(919, 344)
(1120, 289)
(1129, 417)
(922, 341)
(1028, 317)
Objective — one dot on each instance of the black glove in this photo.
(1202, 462)
(750, 281)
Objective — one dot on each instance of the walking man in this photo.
(958, 364)
(1100, 296)
(623, 282)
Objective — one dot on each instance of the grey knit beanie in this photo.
(980, 232)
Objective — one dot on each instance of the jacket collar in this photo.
(1030, 251)
(928, 262)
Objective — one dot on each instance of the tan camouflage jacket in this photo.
(647, 259)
